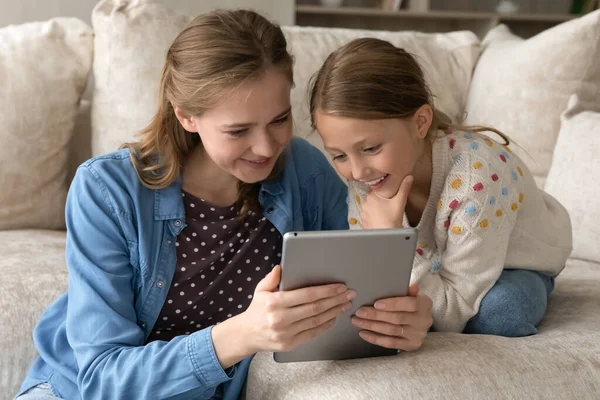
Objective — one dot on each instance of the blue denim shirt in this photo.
(121, 258)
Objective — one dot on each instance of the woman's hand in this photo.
(381, 213)
(397, 322)
(282, 320)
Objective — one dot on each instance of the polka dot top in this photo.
(220, 260)
(484, 213)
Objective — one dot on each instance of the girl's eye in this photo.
(372, 149)
(339, 158)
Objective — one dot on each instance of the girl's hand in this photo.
(381, 213)
(398, 322)
(282, 320)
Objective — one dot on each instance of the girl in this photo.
(169, 240)
(490, 242)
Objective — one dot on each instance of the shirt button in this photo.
(169, 242)
(177, 223)
(160, 284)
(143, 325)
(270, 210)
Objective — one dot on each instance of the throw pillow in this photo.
(44, 67)
(521, 87)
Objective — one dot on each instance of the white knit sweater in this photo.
(485, 213)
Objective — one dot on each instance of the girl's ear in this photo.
(423, 118)
(185, 120)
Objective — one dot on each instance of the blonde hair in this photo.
(214, 54)
(372, 79)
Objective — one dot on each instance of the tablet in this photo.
(375, 263)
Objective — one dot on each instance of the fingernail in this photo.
(361, 313)
(380, 305)
(356, 321)
(341, 289)
(351, 295)
(347, 307)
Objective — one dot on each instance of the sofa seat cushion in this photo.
(561, 361)
(33, 275)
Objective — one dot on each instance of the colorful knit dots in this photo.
(520, 171)
(492, 201)
(477, 165)
(505, 154)
(447, 224)
(435, 266)
(515, 176)
(423, 245)
(452, 143)
(488, 142)
(420, 252)
(439, 205)
(468, 136)
(470, 209)
(457, 230)
(520, 197)
(502, 157)
(504, 191)
(357, 199)
(484, 223)
(499, 213)
(514, 206)
(507, 149)
(495, 177)
(474, 145)
(352, 221)
(456, 183)
(453, 204)
(478, 186)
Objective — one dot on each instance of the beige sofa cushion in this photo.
(561, 362)
(522, 86)
(573, 176)
(32, 264)
(43, 68)
(126, 91)
(132, 39)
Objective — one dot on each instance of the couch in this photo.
(69, 91)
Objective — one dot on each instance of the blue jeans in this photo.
(43, 391)
(514, 306)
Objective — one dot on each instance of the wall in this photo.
(19, 11)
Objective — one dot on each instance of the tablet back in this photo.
(375, 263)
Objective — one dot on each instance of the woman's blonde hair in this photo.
(214, 54)
(372, 79)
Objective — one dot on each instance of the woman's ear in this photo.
(187, 121)
(423, 118)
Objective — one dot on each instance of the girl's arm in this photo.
(101, 323)
(477, 223)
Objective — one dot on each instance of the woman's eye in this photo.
(281, 120)
(237, 133)
(339, 158)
